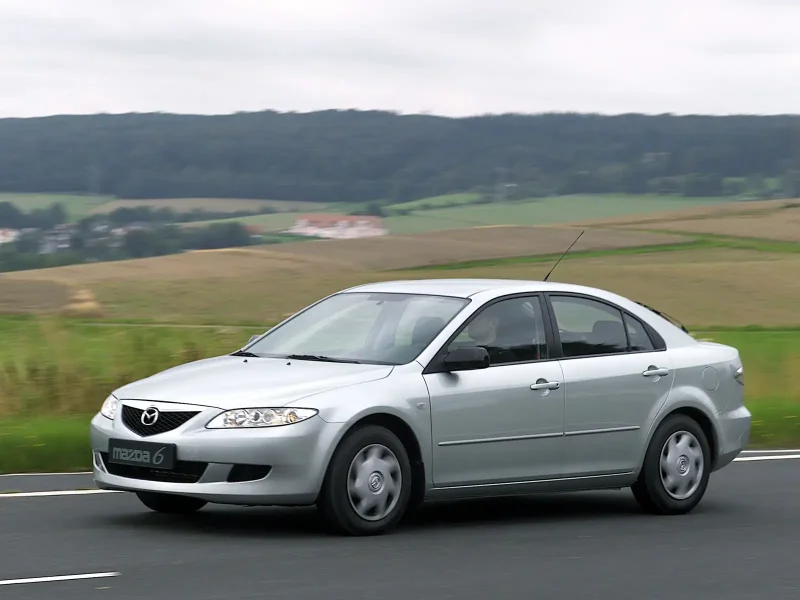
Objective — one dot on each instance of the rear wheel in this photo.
(676, 468)
(368, 484)
(168, 503)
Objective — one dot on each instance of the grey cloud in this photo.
(446, 56)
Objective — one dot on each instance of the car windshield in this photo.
(383, 328)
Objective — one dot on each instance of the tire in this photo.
(387, 469)
(652, 491)
(170, 504)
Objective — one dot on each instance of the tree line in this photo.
(364, 156)
(85, 244)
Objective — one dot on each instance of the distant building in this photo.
(339, 226)
(57, 239)
(8, 235)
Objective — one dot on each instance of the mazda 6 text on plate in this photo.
(377, 398)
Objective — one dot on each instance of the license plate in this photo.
(142, 454)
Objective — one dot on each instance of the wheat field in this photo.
(262, 284)
(728, 209)
(783, 225)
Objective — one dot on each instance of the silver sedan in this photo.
(382, 396)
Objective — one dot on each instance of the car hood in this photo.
(233, 382)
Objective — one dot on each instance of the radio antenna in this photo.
(563, 255)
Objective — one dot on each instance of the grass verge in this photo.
(57, 445)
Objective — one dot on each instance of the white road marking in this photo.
(768, 457)
(787, 451)
(43, 474)
(56, 493)
(58, 578)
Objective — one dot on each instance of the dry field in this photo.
(700, 287)
(712, 286)
(209, 204)
(782, 225)
(21, 296)
(261, 283)
(374, 254)
(654, 220)
(461, 245)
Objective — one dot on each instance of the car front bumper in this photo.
(266, 466)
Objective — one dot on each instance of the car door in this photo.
(503, 423)
(616, 378)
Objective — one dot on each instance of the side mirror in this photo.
(466, 359)
(252, 339)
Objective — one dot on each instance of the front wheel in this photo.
(368, 484)
(676, 468)
(167, 503)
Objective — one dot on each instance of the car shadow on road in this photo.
(258, 522)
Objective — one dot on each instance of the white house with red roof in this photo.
(339, 226)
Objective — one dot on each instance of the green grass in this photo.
(77, 206)
(445, 201)
(64, 369)
(543, 211)
(45, 445)
(274, 222)
(772, 390)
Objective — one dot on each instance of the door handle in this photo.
(655, 372)
(543, 384)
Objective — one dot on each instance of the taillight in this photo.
(738, 375)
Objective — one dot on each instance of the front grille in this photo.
(167, 421)
(184, 472)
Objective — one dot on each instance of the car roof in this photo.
(466, 288)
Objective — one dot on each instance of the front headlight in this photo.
(260, 417)
(109, 408)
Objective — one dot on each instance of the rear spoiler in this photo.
(664, 316)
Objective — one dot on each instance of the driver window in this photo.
(511, 330)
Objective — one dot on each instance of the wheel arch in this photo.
(697, 414)
(405, 433)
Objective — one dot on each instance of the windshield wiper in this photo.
(320, 358)
(244, 353)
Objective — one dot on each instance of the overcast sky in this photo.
(449, 57)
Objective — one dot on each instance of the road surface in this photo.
(743, 542)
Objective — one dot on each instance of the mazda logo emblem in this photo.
(150, 416)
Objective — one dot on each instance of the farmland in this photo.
(136, 317)
(451, 211)
(700, 212)
(682, 274)
(783, 225)
(458, 211)
(540, 211)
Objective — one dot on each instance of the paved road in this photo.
(743, 542)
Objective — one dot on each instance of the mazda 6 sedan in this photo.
(380, 397)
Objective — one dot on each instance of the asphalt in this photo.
(742, 542)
